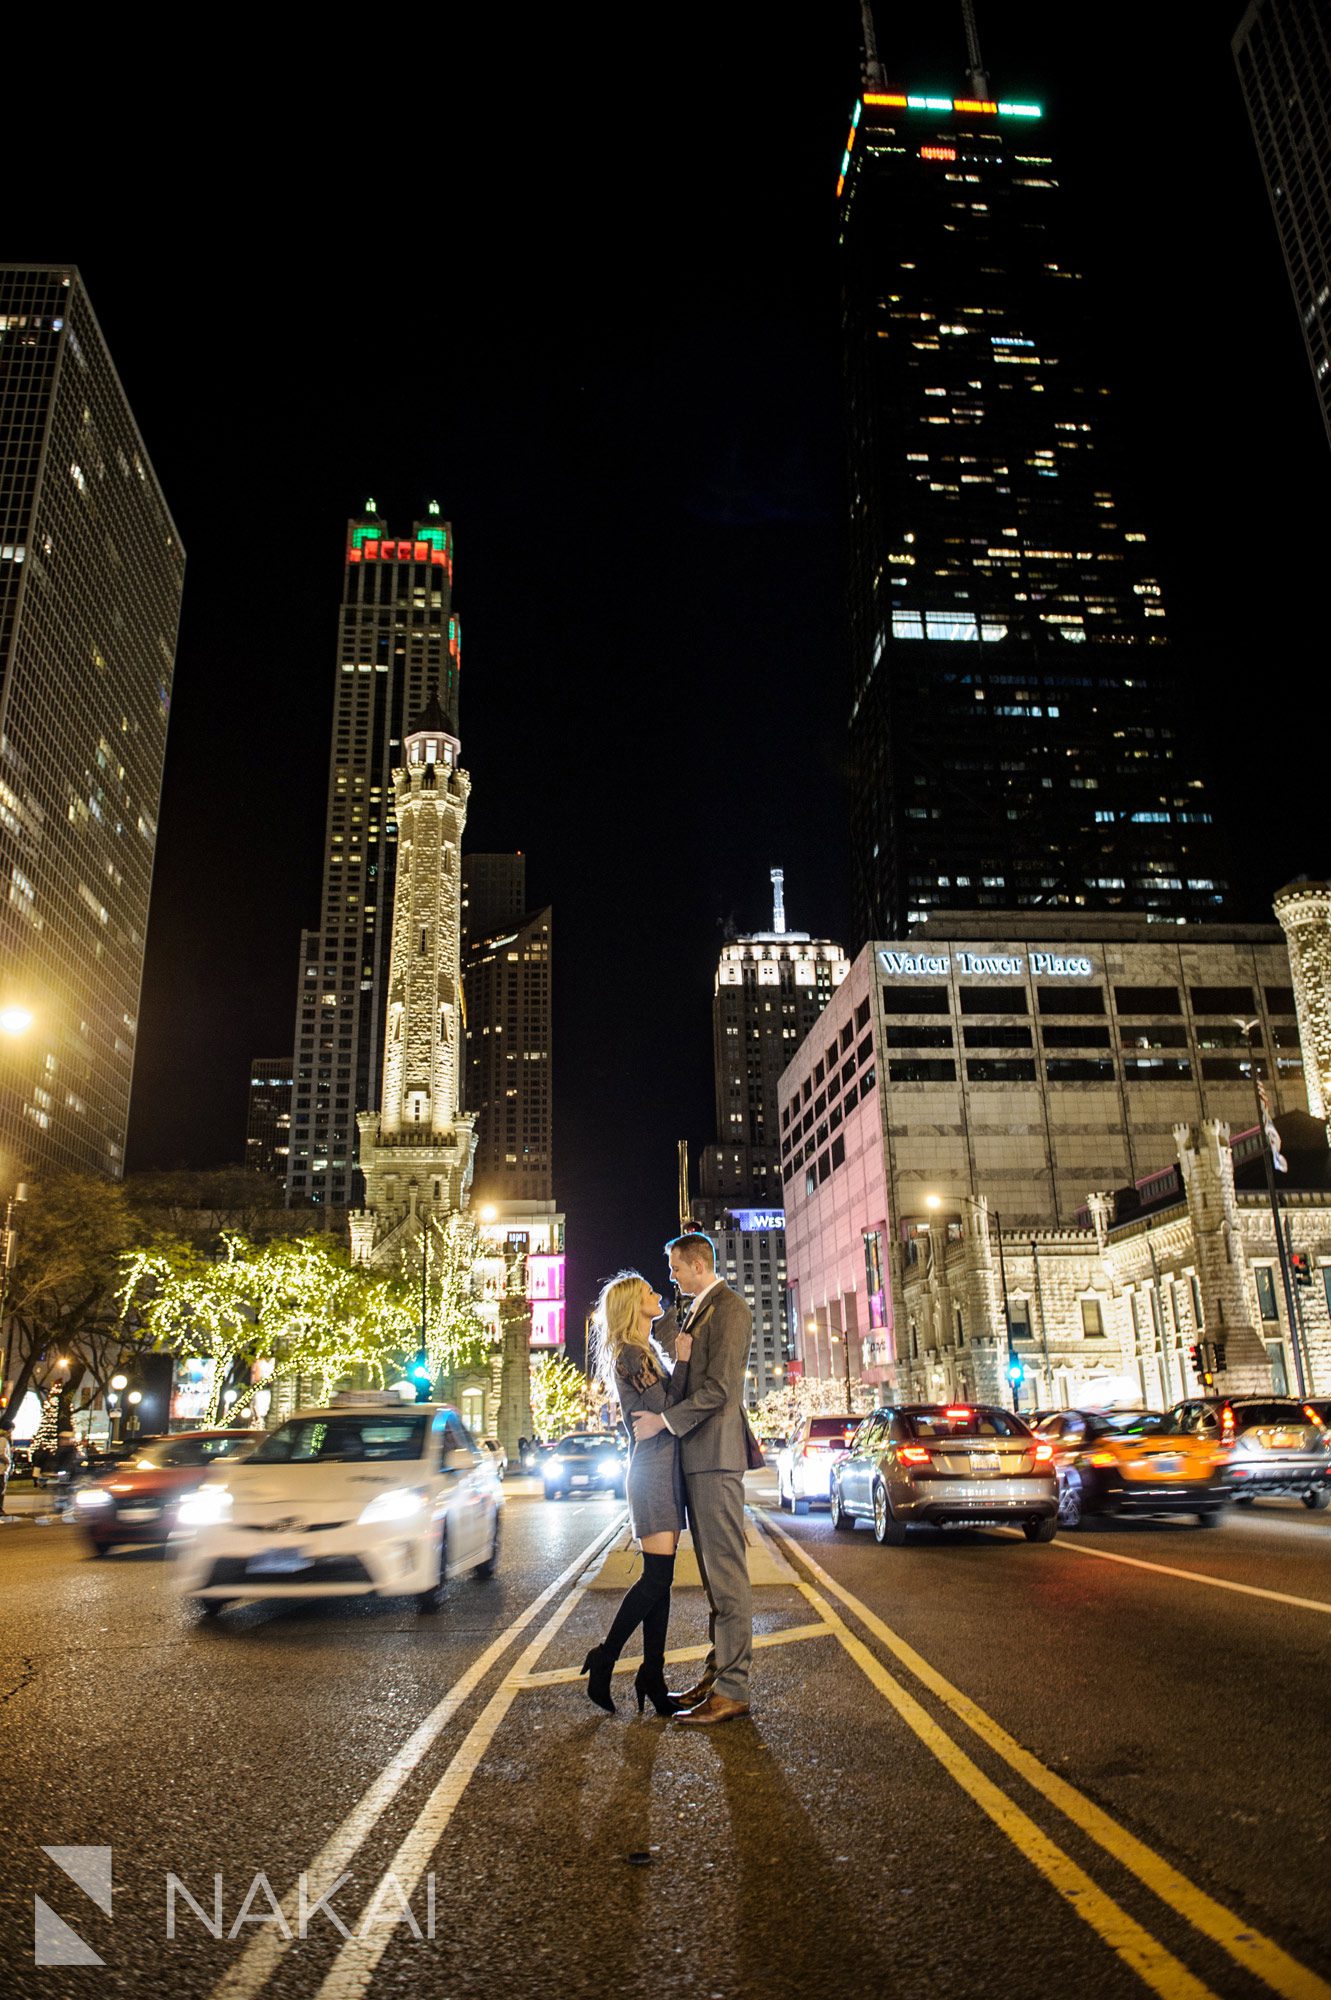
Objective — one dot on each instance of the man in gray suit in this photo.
(707, 1416)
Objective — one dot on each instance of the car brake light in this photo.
(914, 1454)
(1043, 1453)
(956, 1413)
(1102, 1458)
(1227, 1425)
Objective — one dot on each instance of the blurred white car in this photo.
(804, 1465)
(368, 1496)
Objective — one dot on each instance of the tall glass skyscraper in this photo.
(399, 641)
(1283, 52)
(91, 573)
(1017, 732)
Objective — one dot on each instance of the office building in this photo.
(268, 1123)
(770, 988)
(91, 573)
(1283, 52)
(399, 644)
(1018, 736)
(1027, 1068)
(506, 980)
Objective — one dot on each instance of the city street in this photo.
(973, 1765)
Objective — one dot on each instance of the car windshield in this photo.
(836, 1431)
(585, 1446)
(1138, 1423)
(189, 1451)
(955, 1421)
(1254, 1416)
(342, 1439)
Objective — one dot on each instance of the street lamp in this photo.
(15, 1020)
(811, 1329)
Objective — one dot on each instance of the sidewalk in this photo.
(25, 1503)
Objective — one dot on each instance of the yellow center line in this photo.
(1247, 1946)
(558, 1676)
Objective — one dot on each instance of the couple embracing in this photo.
(690, 1448)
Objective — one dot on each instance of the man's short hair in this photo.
(694, 1247)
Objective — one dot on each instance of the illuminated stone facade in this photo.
(416, 1150)
(1304, 910)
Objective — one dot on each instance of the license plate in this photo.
(139, 1513)
(277, 1562)
(1163, 1461)
(580, 1479)
(984, 1461)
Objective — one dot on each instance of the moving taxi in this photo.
(368, 1497)
(1133, 1462)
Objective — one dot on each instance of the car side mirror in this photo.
(458, 1461)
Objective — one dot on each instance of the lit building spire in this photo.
(977, 76)
(779, 901)
(875, 76)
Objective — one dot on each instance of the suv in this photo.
(1272, 1445)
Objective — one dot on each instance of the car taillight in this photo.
(1102, 1458)
(956, 1413)
(1043, 1453)
(1227, 1425)
(914, 1454)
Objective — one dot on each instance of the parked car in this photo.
(366, 1497)
(1273, 1445)
(586, 1462)
(1133, 1462)
(135, 1497)
(945, 1465)
(804, 1464)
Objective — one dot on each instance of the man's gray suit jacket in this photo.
(707, 1413)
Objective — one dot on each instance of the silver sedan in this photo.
(945, 1465)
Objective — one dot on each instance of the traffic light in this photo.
(422, 1375)
(1300, 1265)
(1203, 1366)
(1016, 1370)
(1195, 1361)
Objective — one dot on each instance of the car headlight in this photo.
(555, 1465)
(608, 1468)
(92, 1496)
(399, 1504)
(205, 1508)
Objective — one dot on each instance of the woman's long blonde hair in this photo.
(618, 1348)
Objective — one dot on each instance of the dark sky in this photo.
(578, 283)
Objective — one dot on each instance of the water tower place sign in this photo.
(995, 965)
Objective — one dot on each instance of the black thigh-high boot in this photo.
(635, 1607)
(650, 1683)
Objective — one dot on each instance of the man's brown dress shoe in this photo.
(698, 1693)
(716, 1708)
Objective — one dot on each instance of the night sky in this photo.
(578, 283)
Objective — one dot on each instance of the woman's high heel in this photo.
(649, 1685)
(598, 1667)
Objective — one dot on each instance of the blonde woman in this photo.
(628, 1361)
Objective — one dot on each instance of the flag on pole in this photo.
(1278, 1160)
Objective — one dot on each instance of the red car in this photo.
(139, 1502)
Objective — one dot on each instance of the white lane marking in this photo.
(356, 1962)
(1189, 1575)
(262, 1955)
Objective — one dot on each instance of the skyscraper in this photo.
(771, 987)
(399, 641)
(1016, 731)
(1283, 52)
(91, 572)
(268, 1120)
(506, 978)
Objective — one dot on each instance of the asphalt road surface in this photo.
(974, 1766)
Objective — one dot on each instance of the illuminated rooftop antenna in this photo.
(779, 901)
(875, 76)
(433, 507)
(977, 75)
(370, 508)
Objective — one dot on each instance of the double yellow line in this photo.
(1156, 1966)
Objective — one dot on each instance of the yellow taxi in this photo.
(1134, 1462)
